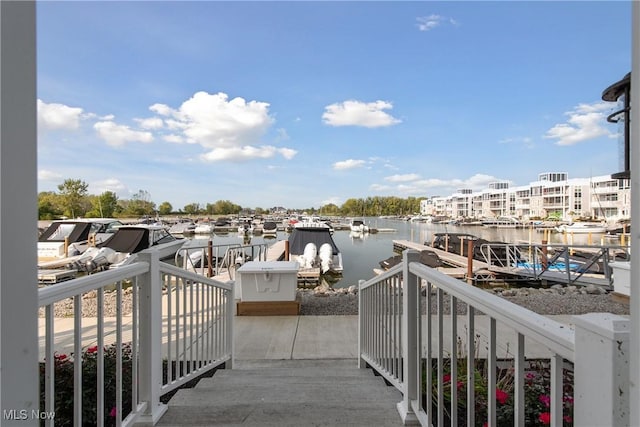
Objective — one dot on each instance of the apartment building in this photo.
(552, 195)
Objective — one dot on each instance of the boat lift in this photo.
(570, 264)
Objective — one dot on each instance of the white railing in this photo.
(203, 257)
(176, 327)
(497, 355)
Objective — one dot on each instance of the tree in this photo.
(140, 204)
(104, 205)
(74, 192)
(165, 208)
(192, 208)
(49, 205)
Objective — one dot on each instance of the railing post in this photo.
(601, 370)
(151, 338)
(410, 349)
(361, 319)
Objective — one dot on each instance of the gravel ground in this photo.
(347, 304)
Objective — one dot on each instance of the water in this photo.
(361, 255)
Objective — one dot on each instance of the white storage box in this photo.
(621, 277)
(267, 281)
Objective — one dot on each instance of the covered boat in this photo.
(122, 247)
(308, 235)
(76, 233)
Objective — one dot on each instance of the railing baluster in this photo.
(556, 390)
(491, 380)
(454, 359)
(471, 365)
(77, 361)
(49, 360)
(100, 357)
(440, 370)
(119, 369)
(519, 382)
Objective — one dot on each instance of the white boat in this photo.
(184, 227)
(203, 228)
(269, 229)
(245, 228)
(79, 235)
(502, 222)
(358, 226)
(123, 246)
(311, 244)
(581, 228)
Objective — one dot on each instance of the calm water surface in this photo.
(362, 254)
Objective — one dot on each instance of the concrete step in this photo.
(286, 396)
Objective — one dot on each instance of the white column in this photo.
(151, 338)
(634, 164)
(601, 370)
(18, 215)
(410, 350)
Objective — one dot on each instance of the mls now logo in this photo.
(23, 414)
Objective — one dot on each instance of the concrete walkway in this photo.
(293, 337)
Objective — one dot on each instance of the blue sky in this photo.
(300, 104)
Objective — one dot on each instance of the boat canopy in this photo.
(75, 231)
(317, 235)
(128, 240)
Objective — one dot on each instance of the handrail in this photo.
(80, 285)
(556, 336)
(185, 274)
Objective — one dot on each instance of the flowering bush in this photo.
(63, 377)
(536, 391)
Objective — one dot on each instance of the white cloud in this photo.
(117, 135)
(150, 123)
(109, 184)
(229, 129)
(356, 113)
(411, 186)
(585, 122)
(246, 153)
(58, 116)
(349, 164)
(47, 175)
(428, 23)
(287, 153)
(403, 178)
(332, 200)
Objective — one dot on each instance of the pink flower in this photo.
(92, 350)
(502, 396)
(446, 378)
(567, 419)
(545, 418)
(114, 412)
(60, 357)
(460, 384)
(568, 399)
(545, 399)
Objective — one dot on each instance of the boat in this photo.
(269, 229)
(581, 228)
(203, 228)
(496, 253)
(122, 247)
(77, 234)
(427, 257)
(245, 228)
(502, 222)
(311, 244)
(183, 227)
(358, 226)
